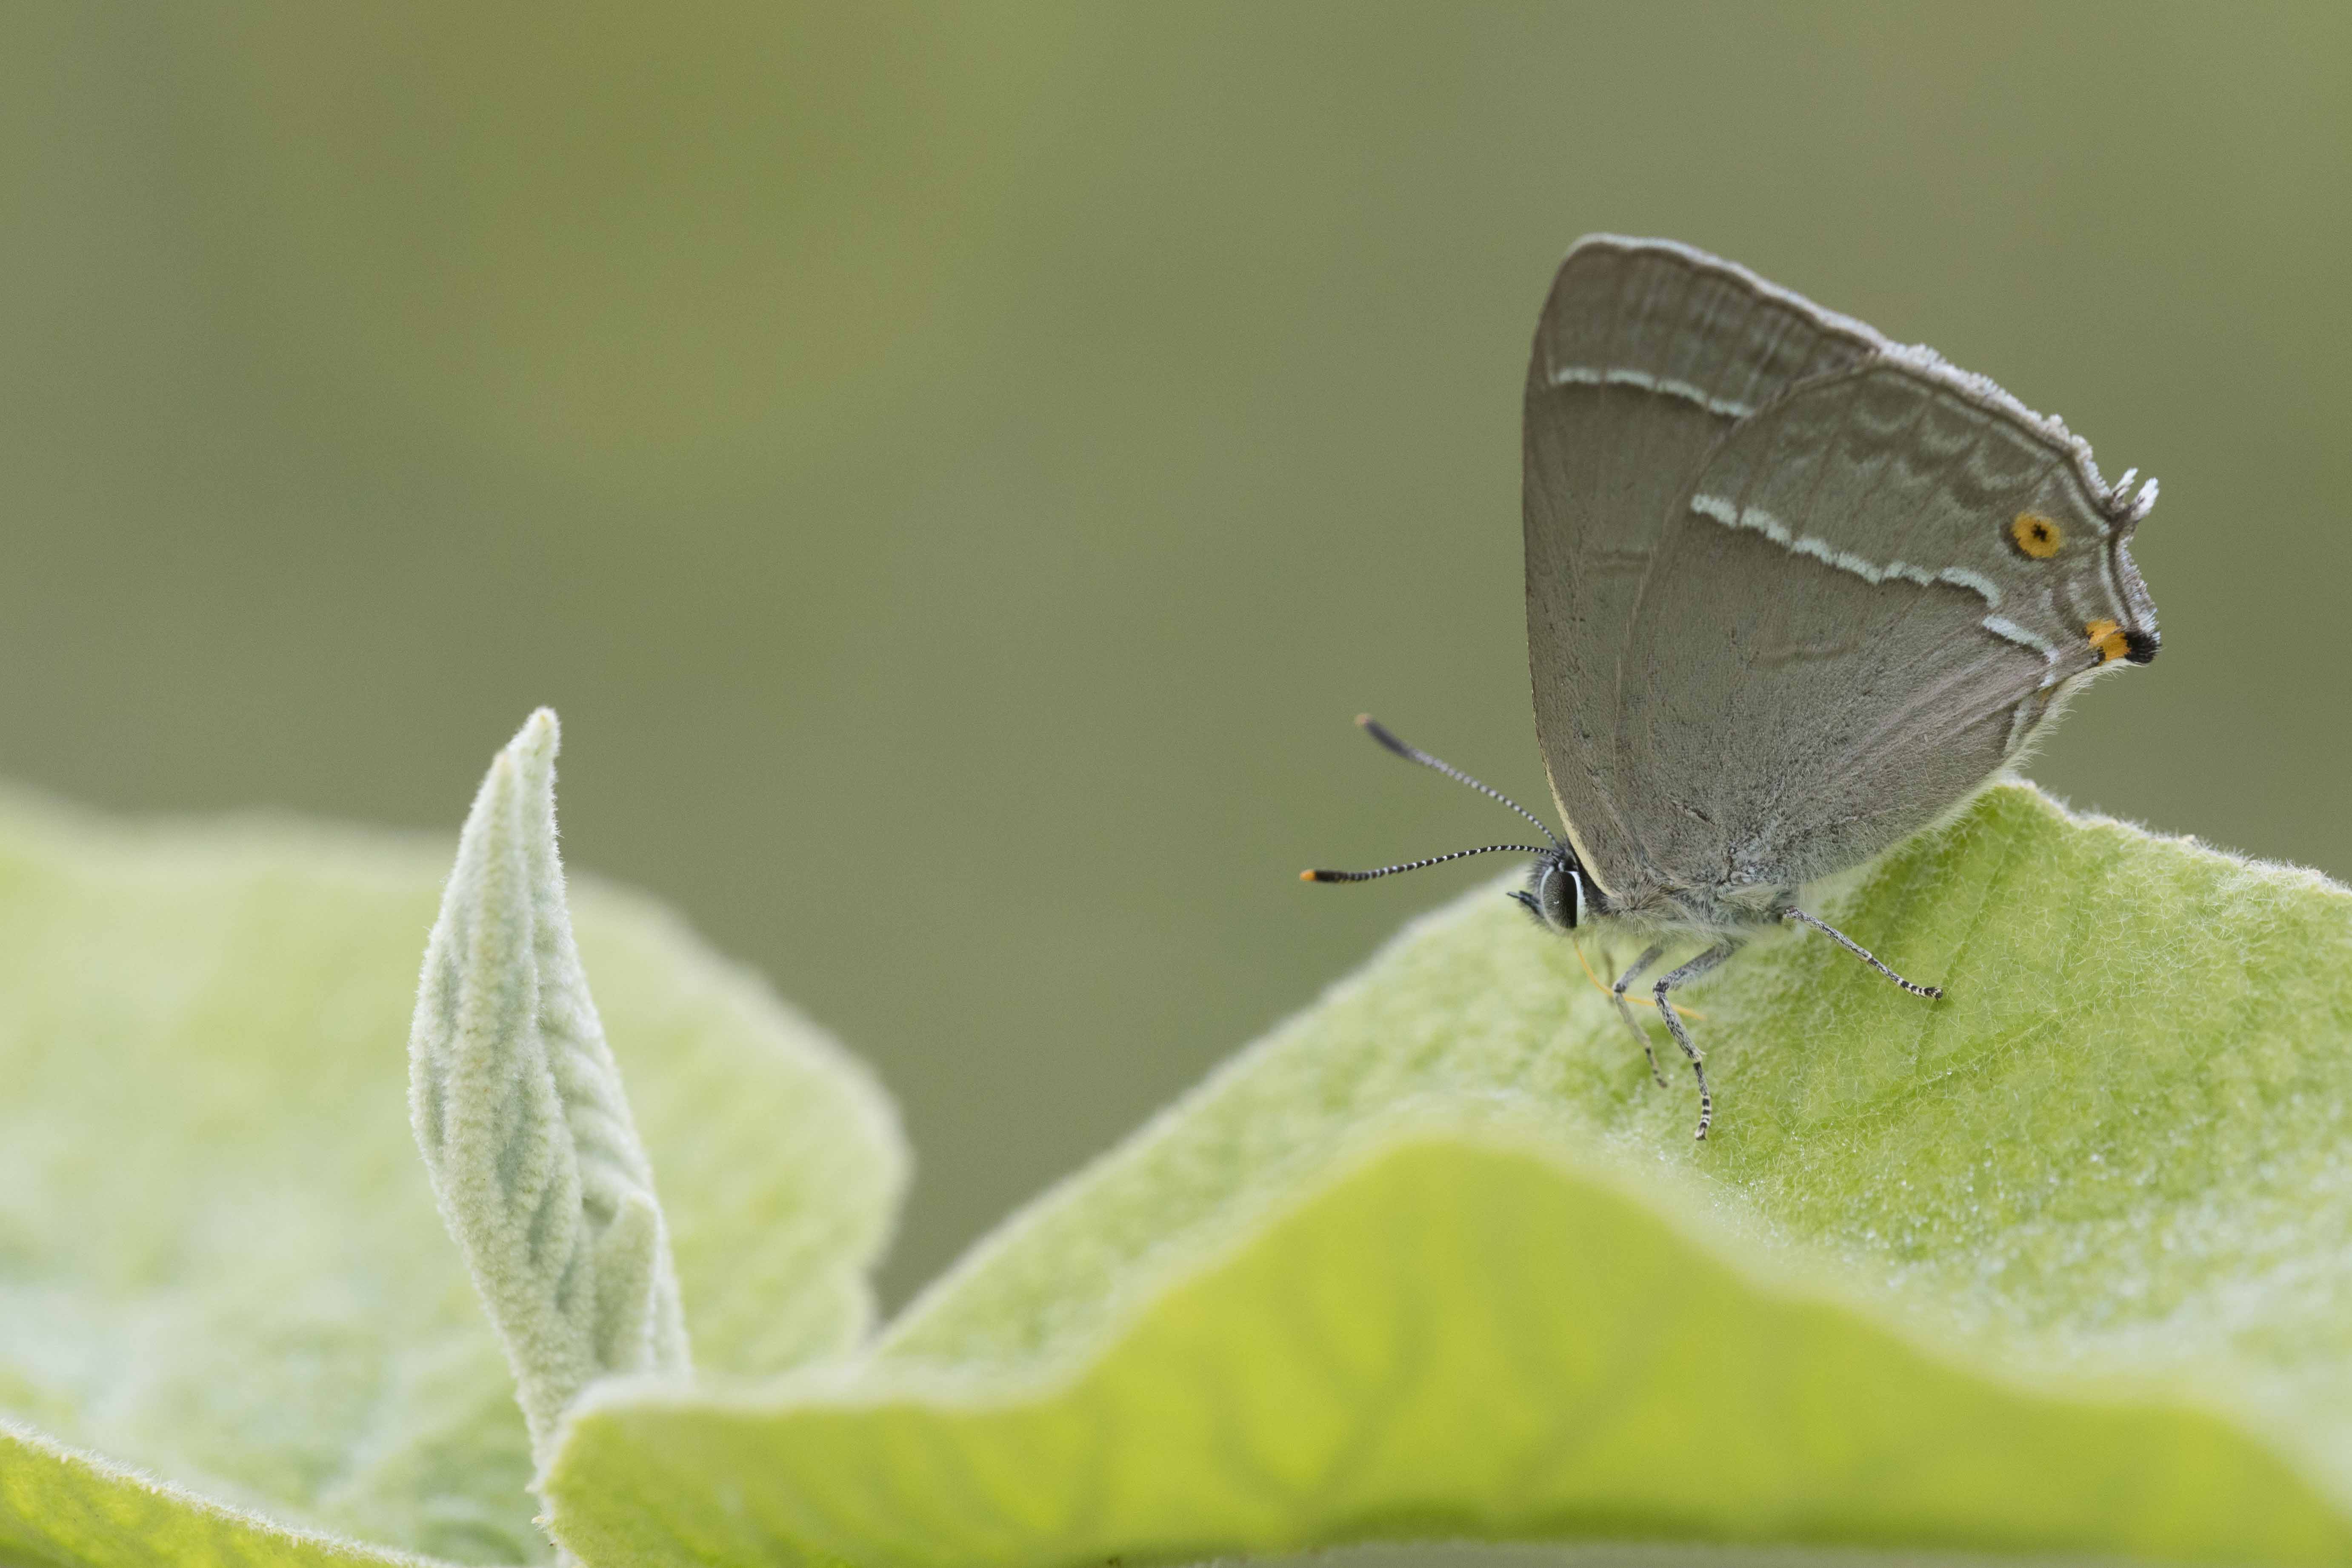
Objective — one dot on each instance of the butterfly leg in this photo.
(1931, 992)
(1684, 976)
(1617, 995)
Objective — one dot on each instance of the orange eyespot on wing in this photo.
(2036, 535)
(2108, 638)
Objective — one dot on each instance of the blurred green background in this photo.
(958, 471)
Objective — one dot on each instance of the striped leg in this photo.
(1617, 995)
(1684, 976)
(1931, 992)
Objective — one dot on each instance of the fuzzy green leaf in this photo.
(520, 1113)
(2062, 1263)
(232, 1328)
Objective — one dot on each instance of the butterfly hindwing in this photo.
(1840, 635)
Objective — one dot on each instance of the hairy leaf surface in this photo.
(2061, 1264)
(228, 1307)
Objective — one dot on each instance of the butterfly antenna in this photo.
(1380, 732)
(1415, 865)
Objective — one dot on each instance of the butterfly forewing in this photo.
(1647, 354)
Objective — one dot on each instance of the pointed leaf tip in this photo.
(542, 731)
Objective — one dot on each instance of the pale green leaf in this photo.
(227, 1306)
(2061, 1264)
(519, 1112)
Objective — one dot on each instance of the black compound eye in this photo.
(1557, 895)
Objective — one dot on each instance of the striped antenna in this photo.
(1380, 731)
(1416, 865)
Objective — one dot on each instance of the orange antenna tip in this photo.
(1306, 876)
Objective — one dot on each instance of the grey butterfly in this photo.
(1794, 592)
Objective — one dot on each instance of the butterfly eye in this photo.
(2036, 535)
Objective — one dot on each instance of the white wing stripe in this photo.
(1961, 577)
(1591, 375)
(1756, 519)
(2002, 626)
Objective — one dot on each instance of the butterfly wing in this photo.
(1864, 603)
(1647, 354)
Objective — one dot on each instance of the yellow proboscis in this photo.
(1602, 986)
